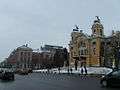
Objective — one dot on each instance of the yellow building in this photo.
(85, 49)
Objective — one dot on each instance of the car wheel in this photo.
(104, 83)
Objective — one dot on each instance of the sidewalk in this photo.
(90, 70)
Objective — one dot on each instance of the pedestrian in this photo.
(71, 70)
(85, 70)
(82, 71)
(48, 70)
(68, 70)
(59, 69)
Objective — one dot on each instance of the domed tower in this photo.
(96, 40)
(73, 46)
(97, 28)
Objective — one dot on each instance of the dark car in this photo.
(7, 76)
(111, 79)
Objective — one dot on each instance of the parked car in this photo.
(7, 75)
(111, 79)
(23, 71)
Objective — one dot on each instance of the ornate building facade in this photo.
(92, 50)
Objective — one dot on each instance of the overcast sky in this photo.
(39, 22)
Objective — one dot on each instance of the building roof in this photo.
(24, 47)
(50, 47)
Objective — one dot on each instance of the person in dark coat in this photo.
(68, 70)
(71, 70)
(85, 70)
(82, 71)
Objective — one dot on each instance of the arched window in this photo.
(94, 43)
(94, 31)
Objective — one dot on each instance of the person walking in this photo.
(59, 69)
(82, 71)
(71, 70)
(85, 70)
(68, 70)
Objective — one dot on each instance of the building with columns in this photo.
(49, 57)
(21, 57)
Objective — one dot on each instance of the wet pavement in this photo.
(44, 81)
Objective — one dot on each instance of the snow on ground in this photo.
(41, 70)
(90, 70)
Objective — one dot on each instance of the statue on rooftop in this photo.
(76, 26)
(98, 19)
